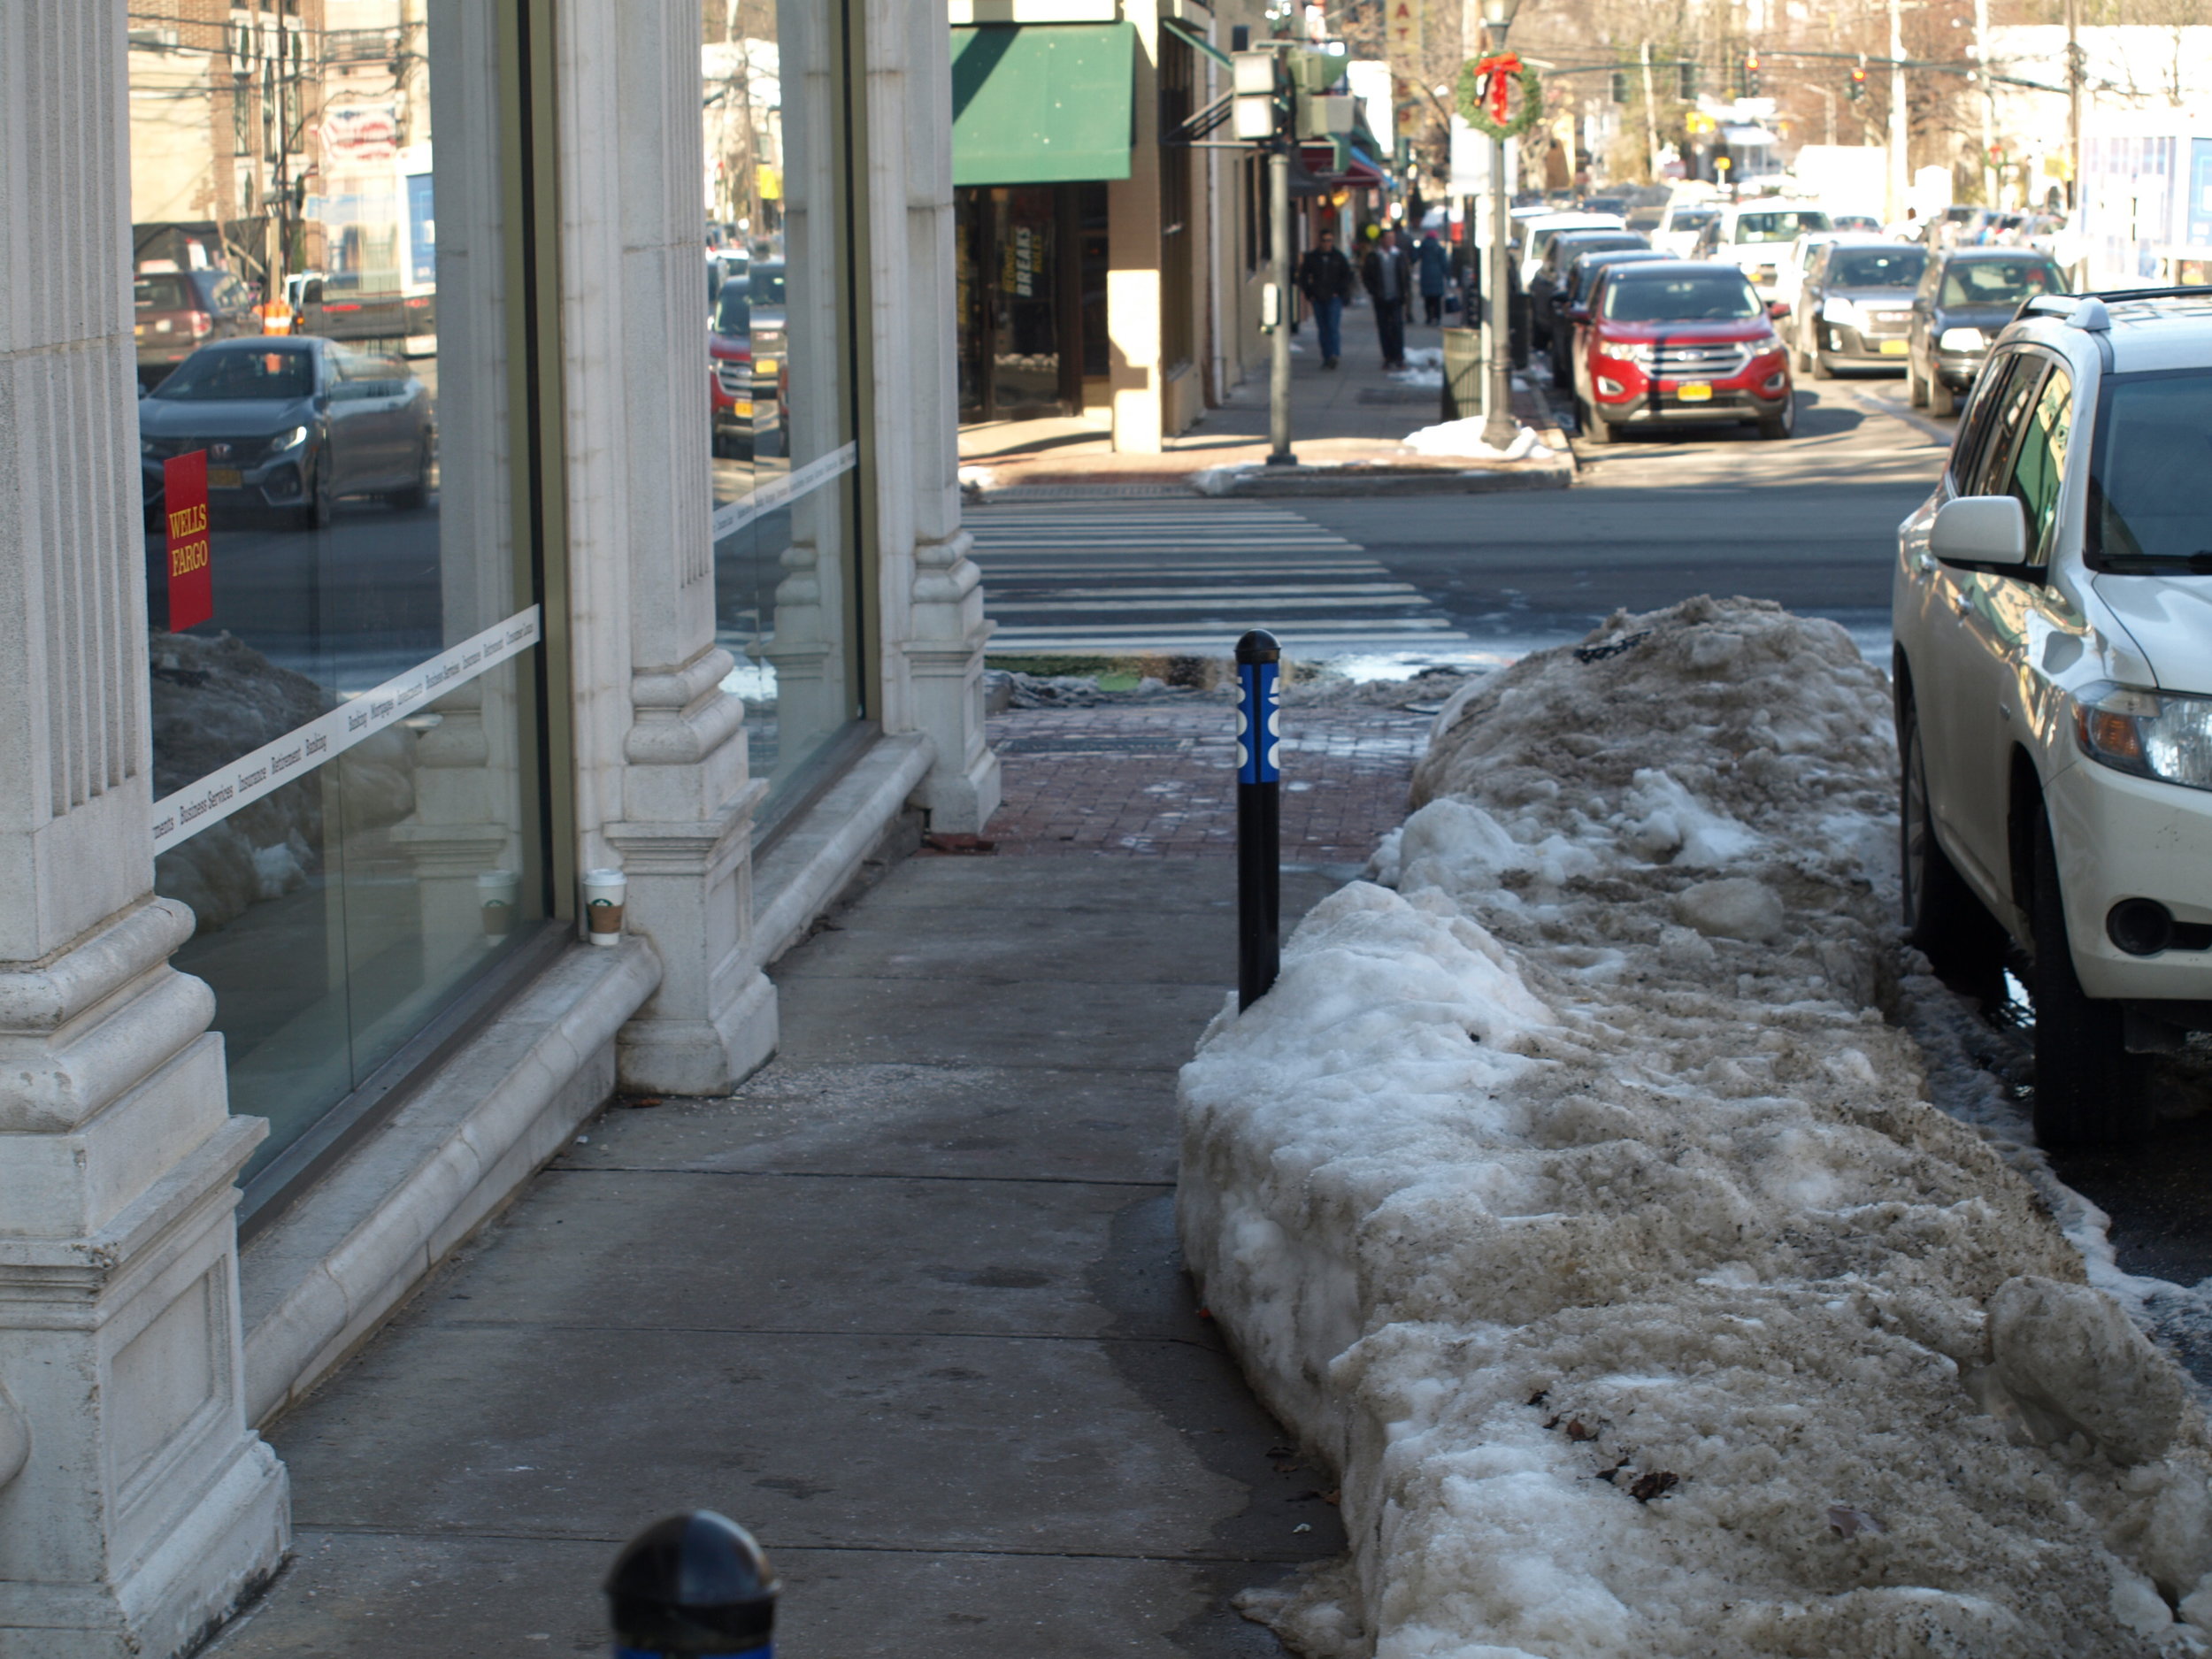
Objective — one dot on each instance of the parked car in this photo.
(1854, 310)
(1755, 236)
(1537, 229)
(1789, 275)
(1966, 296)
(292, 424)
(1671, 341)
(1568, 298)
(174, 313)
(1543, 292)
(746, 374)
(348, 305)
(2052, 608)
(1684, 220)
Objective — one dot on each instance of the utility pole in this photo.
(1498, 428)
(1900, 124)
(2075, 75)
(1989, 103)
(1651, 115)
(1278, 366)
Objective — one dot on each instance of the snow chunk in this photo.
(1576, 1204)
(1464, 438)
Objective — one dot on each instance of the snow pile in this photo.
(1577, 1201)
(1464, 438)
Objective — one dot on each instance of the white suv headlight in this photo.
(1838, 309)
(2151, 734)
(1960, 340)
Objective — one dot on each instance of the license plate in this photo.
(1895, 348)
(225, 478)
(1694, 391)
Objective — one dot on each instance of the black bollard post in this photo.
(1259, 816)
(690, 1587)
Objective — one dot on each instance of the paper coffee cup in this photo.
(604, 893)
(496, 892)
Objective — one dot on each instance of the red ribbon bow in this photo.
(1494, 74)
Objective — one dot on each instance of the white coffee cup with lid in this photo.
(604, 891)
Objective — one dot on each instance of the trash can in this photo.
(1463, 372)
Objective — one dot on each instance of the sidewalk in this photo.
(909, 1305)
(1349, 422)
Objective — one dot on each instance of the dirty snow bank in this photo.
(1577, 1204)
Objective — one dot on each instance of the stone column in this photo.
(663, 787)
(136, 1506)
(932, 594)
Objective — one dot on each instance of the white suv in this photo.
(2052, 614)
(1757, 235)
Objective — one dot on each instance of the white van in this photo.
(1758, 236)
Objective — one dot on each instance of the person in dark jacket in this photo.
(1324, 277)
(1434, 266)
(1388, 276)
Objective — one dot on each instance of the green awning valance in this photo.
(1041, 102)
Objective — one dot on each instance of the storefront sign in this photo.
(1405, 36)
(191, 567)
(212, 799)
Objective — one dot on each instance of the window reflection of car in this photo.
(746, 374)
(174, 313)
(292, 425)
(1965, 297)
(345, 306)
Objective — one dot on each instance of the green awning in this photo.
(1041, 102)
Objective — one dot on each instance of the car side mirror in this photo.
(1578, 313)
(1991, 530)
(1779, 310)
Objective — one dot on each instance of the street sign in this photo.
(191, 569)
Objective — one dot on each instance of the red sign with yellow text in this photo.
(191, 573)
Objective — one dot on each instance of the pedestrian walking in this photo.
(1324, 277)
(1388, 276)
(1435, 269)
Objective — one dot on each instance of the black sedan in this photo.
(1966, 296)
(291, 424)
(1544, 287)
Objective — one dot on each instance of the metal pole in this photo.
(1259, 816)
(1498, 424)
(1278, 366)
(1899, 126)
(1989, 103)
(1651, 115)
(2075, 75)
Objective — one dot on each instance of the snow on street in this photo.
(1576, 1194)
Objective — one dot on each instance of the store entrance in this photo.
(1026, 259)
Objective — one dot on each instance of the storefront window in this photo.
(780, 376)
(338, 591)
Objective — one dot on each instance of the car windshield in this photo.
(213, 376)
(1693, 296)
(1779, 225)
(1999, 281)
(1876, 267)
(764, 284)
(734, 311)
(1857, 221)
(1691, 218)
(160, 294)
(2150, 510)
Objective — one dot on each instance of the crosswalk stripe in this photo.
(1122, 576)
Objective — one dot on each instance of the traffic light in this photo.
(1686, 90)
(1856, 90)
(1620, 86)
(1751, 74)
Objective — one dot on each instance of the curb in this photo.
(1345, 480)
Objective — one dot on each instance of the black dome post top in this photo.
(1259, 646)
(693, 1587)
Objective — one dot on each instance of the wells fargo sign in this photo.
(191, 569)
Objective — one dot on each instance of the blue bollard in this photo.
(1259, 816)
(693, 1587)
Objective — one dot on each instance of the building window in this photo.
(338, 554)
(781, 441)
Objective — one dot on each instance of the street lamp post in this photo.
(1498, 426)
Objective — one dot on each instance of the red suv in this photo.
(1676, 340)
